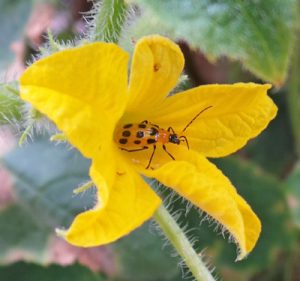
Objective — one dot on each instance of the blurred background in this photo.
(223, 42)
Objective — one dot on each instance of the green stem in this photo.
(182, 245)
(109, 19)
(54, 46)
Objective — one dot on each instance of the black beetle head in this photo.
(173, 138)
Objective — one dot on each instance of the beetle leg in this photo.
(165, 149)
(170, 129)
(151, 157)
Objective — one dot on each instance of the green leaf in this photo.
(13, 16)
(142, 257)
(293, 96)
(20, 235)
(293, 183)
(10, 103)
(44, 178)
(31, 272)
(258, 33)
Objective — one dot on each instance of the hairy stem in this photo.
(83, 187)
(109, 19)
(182, 245)
(58, 137)
(26, 133)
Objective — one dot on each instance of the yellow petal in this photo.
(83, 90)
(120, 209)
(234, 114)
(156, 66)
(199, 181)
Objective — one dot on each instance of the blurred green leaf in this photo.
(141, 256)
(32, 272)
(10, 103)
(293, 183)
(44, 178)
(13, 17)
(293, 95)
(21, 235)
(259, 33)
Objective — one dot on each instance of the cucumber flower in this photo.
(130, 127)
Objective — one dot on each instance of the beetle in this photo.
(133, 137)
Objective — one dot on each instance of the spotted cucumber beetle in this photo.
(142, 136)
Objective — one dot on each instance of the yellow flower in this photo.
(85, 91)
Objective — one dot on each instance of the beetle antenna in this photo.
(196, 117)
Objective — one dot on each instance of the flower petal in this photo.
(199, 181)
(236, 113)
(155, 70)
(77, 89)
(120, 209)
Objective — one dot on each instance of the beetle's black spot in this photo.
(153, 132)
(126, 134)
(149, 141)
(127, 126)
(122, 141)
(142, 126)
(140, 134)
(137, 141)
